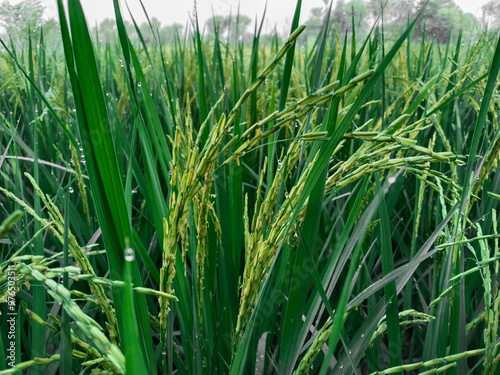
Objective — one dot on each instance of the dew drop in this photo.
(71, 190)
(129, 254)
(139, 84)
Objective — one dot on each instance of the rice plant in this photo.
(210, 206)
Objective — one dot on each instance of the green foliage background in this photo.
(210, 203)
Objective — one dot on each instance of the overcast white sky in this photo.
(279, 12)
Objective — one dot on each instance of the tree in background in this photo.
(51, 34)
(365, 12)
(341, 16)
(315, 21)
(228, 25)
(107, 30)
(442, 17)
(147, 30)
(167, 33)
(395, 11)
(108, 33)
(491, 14)
(19, 19)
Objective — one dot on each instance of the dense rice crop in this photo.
(212, 207)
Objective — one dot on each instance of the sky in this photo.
(279, 12)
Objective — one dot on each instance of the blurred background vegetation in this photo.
(441, 87)
(442, 21)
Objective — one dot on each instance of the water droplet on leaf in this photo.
(129, 254)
